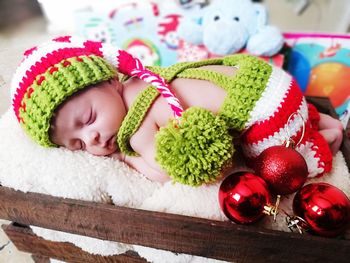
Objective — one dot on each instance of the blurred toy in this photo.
(320, 64)
(144, 50)
(227, 26)
(98, 28)
(190, 3)
(167, 26)
(146, 29)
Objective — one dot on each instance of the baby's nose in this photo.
(93, 138)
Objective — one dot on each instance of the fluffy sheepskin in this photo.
(27, 167)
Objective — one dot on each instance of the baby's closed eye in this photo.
(75, 145)
(88, 117)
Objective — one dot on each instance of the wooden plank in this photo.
(323, 105)
(24, 239)
(37, 258)
(177, 233)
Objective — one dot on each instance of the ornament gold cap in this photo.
(272, 209)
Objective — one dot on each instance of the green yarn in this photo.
(133, 119)
(243, 89)
(246, 88)
(55, 89)
(194, 151)
(170, 73)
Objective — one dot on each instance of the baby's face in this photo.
(90, 120)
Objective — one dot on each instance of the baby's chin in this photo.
(105, 152)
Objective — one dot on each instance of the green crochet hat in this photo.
(51, 73)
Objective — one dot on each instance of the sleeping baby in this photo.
(180, 122)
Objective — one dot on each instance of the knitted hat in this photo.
(52, 72)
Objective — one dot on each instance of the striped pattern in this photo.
(41, 58)
(267, 104)
(135, 68)
(163, 89)
(268, 124)
(52, 72)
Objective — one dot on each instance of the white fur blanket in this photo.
(27, 167)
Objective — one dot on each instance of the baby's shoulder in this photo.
(145, 134)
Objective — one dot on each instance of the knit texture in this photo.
(51, 73)
(55, 70)
(260, 99)
(244, 89)
(53, 87)
(195, 150)
(134, 118)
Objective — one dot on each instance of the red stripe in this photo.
(29, 51)
(323, 152)
(175, 108)
(50, 59)
(65, 39)
(40, 80)
(291, 103)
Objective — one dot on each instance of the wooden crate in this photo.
(176, 233)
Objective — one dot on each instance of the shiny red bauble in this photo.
(283, 169)
(325, 208)
(243, 196)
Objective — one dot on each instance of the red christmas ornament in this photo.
(323, 208)
(283, 169)
(244, 198)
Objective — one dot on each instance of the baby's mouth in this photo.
(110, 142)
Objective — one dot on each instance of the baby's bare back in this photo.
(192, 92)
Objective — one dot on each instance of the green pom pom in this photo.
(194, 151)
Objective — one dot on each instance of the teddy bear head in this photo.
(227, 26)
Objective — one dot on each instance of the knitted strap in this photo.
(143, 101)
(133, 67)
(170, 73)
(134, 118)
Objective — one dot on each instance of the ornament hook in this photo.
(290, 142)
(296, 223)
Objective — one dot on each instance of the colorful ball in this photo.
(330, 80)
(300, 68)
(325, 208)
(243, 196)
(283, 169)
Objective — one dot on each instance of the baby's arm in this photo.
(143, 142)
(141, 165)
(332, 130)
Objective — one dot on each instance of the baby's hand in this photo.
(118, 156)
(139, 164)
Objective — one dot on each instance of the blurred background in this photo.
(24, 23)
